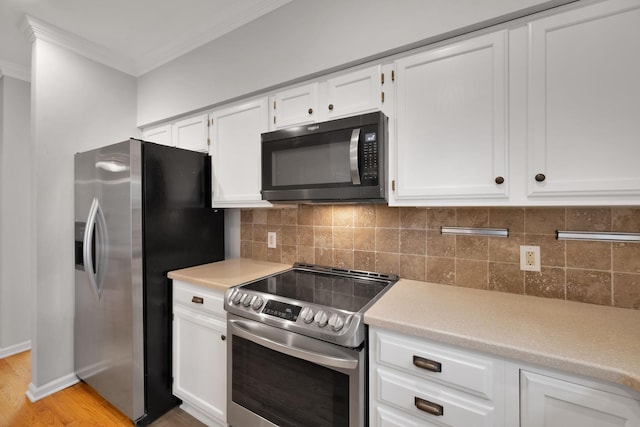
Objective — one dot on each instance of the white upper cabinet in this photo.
(353, 93)
(584, 108)
(295, 106)
(450, 145)
(235, 152)
(159, 135)
(192, 133)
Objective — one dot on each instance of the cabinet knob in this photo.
(310, 111)
(499, 180)
(540, 177)
(223, 337)
(330, 106)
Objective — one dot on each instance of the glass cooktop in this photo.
(341, 292)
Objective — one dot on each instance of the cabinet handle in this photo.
(197, 300)
(429, 365)
(429, 407)
(223, 337)
(499, 180)
(540, 177)
(330, 106)
(310, 110)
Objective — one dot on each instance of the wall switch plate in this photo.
(530, 258)
(271, 239)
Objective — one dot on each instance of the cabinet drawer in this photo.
(199, 298)
(409, 392)
(464, 371)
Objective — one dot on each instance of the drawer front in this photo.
(430, 402)
(199, 298)
(464, 371)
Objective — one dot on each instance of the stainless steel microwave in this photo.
(335, 161)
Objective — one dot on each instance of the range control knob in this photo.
(321, 318)
(237, 297)
(307, 315)
(249, 300)
(336, 322)
(243, 297)
(257, 303)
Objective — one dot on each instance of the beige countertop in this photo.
(224, 274)
(586, 339)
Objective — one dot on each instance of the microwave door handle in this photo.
(353, 156)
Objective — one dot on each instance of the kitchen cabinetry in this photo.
(344, 95)
(200, 352)
(414, 381)
(352, 93)
(192, 133)
(159, 135)
(451, 107)
(583, 105)
(235, 152)
(552, 402)
(295, 106)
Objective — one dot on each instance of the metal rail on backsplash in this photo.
(598, 236)
(476, 231)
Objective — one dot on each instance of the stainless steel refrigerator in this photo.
(141, 210)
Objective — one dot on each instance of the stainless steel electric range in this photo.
(297, 347)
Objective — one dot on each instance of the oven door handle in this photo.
(295, 345)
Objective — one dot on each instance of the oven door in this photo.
(280, 378)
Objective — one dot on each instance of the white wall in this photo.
(304, 38)
(77, 105)
(15, 216)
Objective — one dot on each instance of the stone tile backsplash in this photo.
(408, 242)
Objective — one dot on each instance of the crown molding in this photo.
(35, 29)
(14, 70)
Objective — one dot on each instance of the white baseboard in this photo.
(200, 416)
(35, 393)
(15, 349)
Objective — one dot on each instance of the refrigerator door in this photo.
(108, 322)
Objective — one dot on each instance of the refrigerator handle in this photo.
(97, 222)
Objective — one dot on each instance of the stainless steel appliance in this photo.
(297, 349)
(141, 209)
(335, 161)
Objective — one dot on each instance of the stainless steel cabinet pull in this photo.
(429, 365)
(197, 300)
(540, 177)
(429, 407)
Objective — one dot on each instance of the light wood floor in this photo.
(75, 406)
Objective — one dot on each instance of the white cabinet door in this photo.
(353, 93)
(584, 114)
(235, 154)
(295, 106)
(550, 402)
(450, 144)
(159, 135)
(192, 133)
(200, 362)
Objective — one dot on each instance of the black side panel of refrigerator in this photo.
(180, 230)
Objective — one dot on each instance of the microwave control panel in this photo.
(370, 159)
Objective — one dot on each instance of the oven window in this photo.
(285, 390)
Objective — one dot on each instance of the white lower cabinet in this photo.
(200, 352)
(416, 382)
(546, 401)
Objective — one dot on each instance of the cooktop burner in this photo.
(318, 301)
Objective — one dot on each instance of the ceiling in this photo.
(141, 34)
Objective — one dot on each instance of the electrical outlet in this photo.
(271, 239)
(530, 258)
